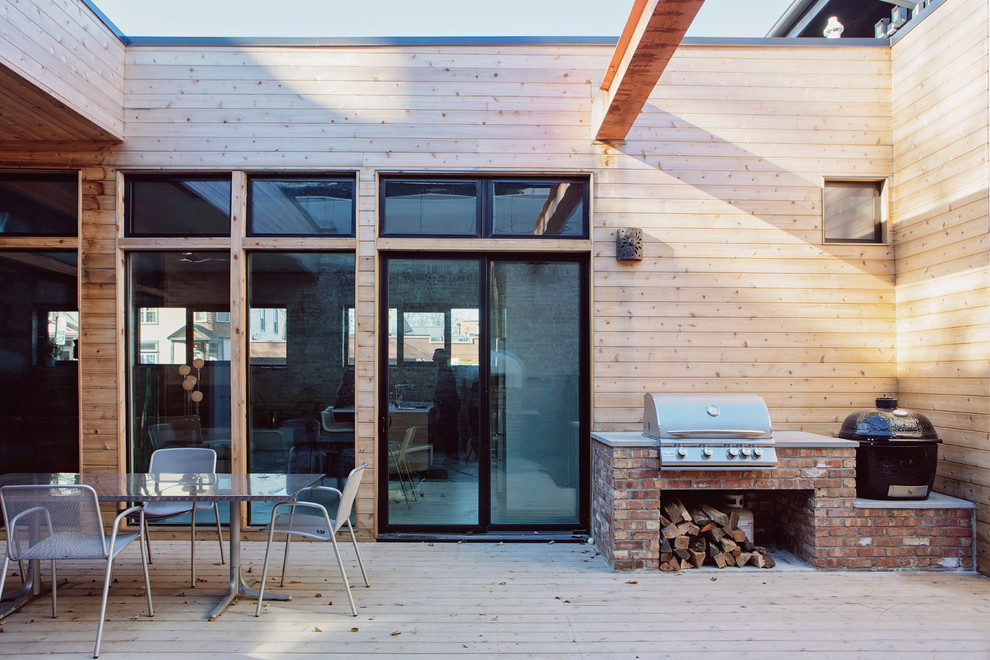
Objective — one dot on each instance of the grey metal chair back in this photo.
(312, 520)
(183, 460)
(56, 522)
(347, 497)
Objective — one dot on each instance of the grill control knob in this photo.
(707, 452)
(746, 451)
(681, 452)
(733, 452)
(757, 452)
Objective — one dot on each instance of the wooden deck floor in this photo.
(535, 600)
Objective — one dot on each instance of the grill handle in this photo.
(717, 433)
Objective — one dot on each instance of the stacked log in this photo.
(706, 535)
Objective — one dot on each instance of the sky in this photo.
(401, 18)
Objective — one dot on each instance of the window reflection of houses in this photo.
(424, 332)
(164, 335)
(268, 335)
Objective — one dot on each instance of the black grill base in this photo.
(890, 471)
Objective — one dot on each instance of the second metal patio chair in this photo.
(180, 461)
(312, 520)
(51, 523)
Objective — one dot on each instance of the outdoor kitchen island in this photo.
(805, 505)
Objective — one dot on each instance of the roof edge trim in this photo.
(371, 42)
(106, 21)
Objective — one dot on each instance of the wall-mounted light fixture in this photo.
(629, 244)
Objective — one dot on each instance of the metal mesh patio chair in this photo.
(51, 523)
(311, 520)
(183, 460)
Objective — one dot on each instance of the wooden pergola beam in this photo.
(653, 32)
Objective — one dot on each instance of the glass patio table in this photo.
(148, 487)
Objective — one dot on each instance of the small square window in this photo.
(853, 211)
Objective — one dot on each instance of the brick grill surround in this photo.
(810, 499)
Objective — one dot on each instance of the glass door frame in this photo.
(484, 525)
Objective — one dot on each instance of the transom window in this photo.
(301, 206)
(39, 204)
(177, 205)
(485, 208)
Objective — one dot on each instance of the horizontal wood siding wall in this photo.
(65, 51)
(723, 171)
(942, 233)
(367, 110)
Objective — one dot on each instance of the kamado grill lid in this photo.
(887, 422)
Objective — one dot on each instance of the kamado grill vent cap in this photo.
(887, 423)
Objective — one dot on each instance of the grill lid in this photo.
(887, 423)
(706, 416)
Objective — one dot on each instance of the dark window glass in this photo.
(179, 366)
(298, 206)
(39, 382)
(39, 204)
(538, 208)
(430, 208)
(178, 206)
(301, 389)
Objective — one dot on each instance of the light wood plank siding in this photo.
(723, 171)
(60, 49)
(942, 233)
(365, 110)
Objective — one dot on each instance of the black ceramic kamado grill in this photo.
(716, 431)
(897, 454)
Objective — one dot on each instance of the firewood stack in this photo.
(706, 535)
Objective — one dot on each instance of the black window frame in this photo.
(131, 178)
(479, 204)
(49, 176)
(485, 219)
(301, 176)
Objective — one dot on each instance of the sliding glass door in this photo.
(535, 376)
(484, 397)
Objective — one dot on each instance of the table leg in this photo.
(237, 586)
(30, 589)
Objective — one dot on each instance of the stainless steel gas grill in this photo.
(710, 431)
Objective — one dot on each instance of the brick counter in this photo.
(807, 506)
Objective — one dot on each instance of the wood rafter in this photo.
(653, 32)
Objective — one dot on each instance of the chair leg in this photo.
(54, 591)
(145, 560)
(358, 553)
(3, 573)
(264, 570)
(285, 560)
(103, 608)
(216, 511)
(343, 575)
(192, 551)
